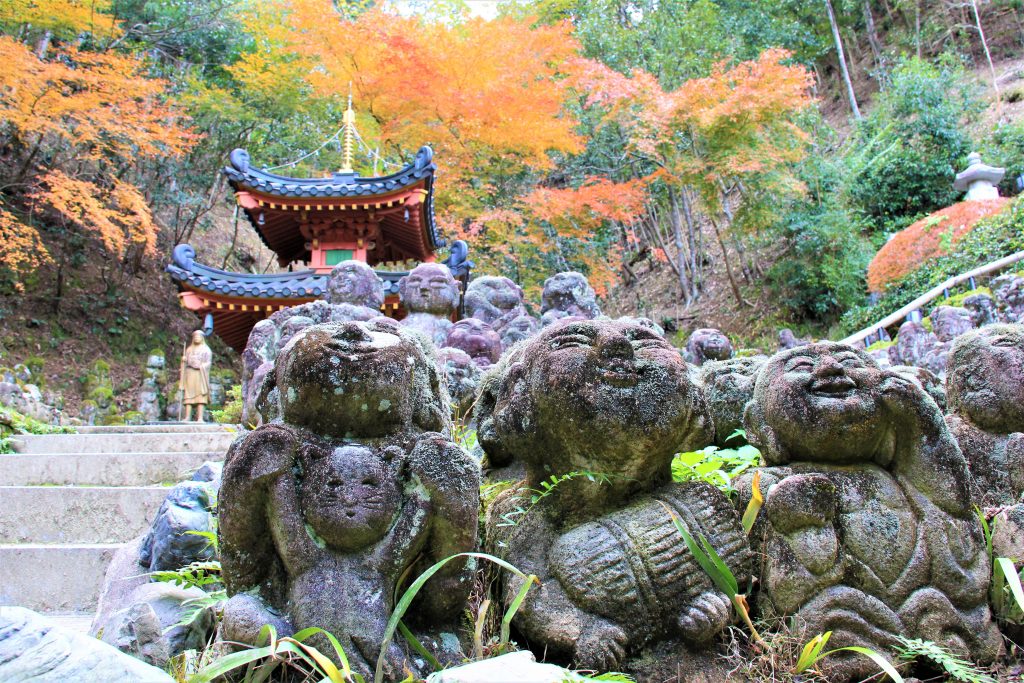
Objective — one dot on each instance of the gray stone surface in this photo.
(708, 343)
(61, 578)
(132, 442)
(35, 650)
(568, 295)
(76, 514)
(430, 295)
(728, 385)
(170, 543)
(101, 469)
(520, 667)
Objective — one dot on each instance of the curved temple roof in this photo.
(339, 191)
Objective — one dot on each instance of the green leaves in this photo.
(958, 669)
(714, 465)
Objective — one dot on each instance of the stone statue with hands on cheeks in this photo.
(430, 295)
(356, 484)
(619, 590)
(867, 528)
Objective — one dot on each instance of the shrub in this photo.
(904, 154)
(231, 413)
(932, 236)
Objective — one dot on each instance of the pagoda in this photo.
(319, 222)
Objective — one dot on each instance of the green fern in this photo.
(958, 669)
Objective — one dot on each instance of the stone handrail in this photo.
(932, 294)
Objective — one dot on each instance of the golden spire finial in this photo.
(349, 136)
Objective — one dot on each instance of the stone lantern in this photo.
(979, 180)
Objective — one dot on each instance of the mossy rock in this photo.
(134, 417)
(883, 344)
(157, 352)
(101, 369)
(102, 396)
(958, 299)
(110, 420)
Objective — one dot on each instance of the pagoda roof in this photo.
(243, 176)
(276, 200)
(238, 301)
(303, 284)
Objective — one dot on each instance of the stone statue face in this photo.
(985, 378)
(349, 379)
(570, 292)
(354, 282)
(462, 374)
(429, 288)
(728, 386)
(348, 496)
(819, 403)
(477, 339)
(602, 395)
(520, 328)
(708, 343)
(198, 338)
(949, 322)
(489, 298)
(291, 327)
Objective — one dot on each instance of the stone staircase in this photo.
(69, 501)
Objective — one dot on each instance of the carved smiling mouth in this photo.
(619, 374)
(836, 387)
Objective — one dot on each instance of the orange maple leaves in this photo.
(932, 236)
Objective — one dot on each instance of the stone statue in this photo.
(617, 581)
(983, 309)
(463, 377)
(568, 295)
(495, 300)
(477, 339)
(1009, 293)
(519, 328)
(928, 380)
(788, 340)
(708, 343)
(261, 348)
(195, 376)
(913, 343)
(643, 322)
(430, 295)
(356, 486)
(728, 386)
(867, 528)
(354, 292)
(985, 390)
(949, 322)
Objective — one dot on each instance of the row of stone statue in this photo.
(353, 485)
(928, 346)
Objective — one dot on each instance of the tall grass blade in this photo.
(506, 621)
(812, 652)
(878, 659)
(1012, 578)
(410, 594)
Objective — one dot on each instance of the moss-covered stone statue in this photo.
(985, 391)
(728, 385)
(708, 343)
(355, 486)
(601, 407)
(568, 295)
(195, 376)
(431, 295)
(867, 528)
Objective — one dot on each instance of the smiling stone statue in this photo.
(601, 407)
(867, 528)
(356, 485)
(985, 390)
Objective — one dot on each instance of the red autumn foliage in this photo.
(932, 236)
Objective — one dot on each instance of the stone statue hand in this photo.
(601, 648)
(708, 615)
(271, 454)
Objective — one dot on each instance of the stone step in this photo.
(54, 578)
(101, 469)
(157, 442)
(77, 514)
(159, 427)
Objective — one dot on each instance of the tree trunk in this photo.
(43, 46)
(988, 56)
(677, 236)
(740, 301)
(842, 61)
(869, 21)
